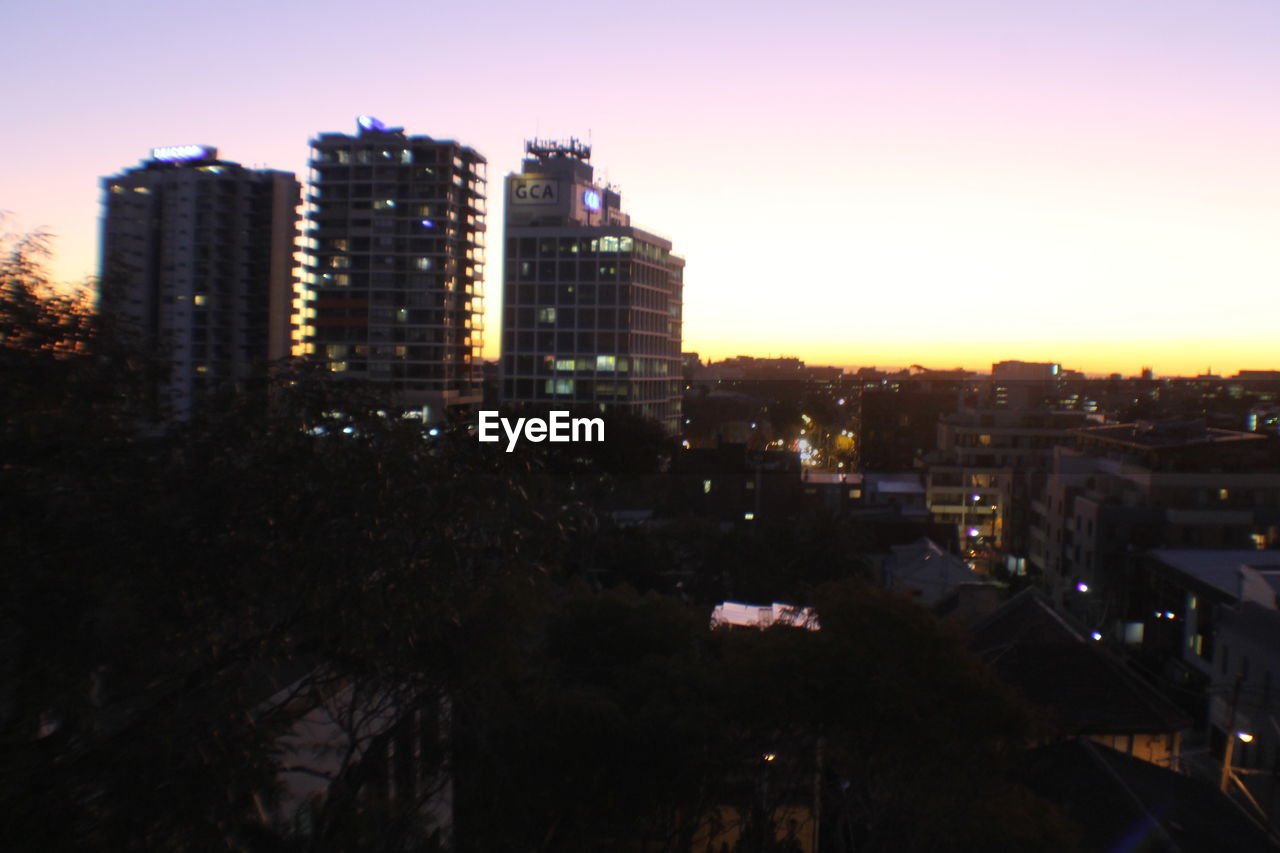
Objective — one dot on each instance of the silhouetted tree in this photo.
(175, 600)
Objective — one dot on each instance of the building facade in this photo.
(393, 274)
(1124, 489)
(986, 468)
(197, 258)
(591, 304)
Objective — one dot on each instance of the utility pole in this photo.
(1231, 736)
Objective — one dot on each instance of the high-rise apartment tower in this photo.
(392, 288)
(197, 256)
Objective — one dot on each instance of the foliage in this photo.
(782, 559)
(628, 719)
(162, 588)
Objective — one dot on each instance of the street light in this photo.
(1245, 737)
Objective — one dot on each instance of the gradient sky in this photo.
(949, 183)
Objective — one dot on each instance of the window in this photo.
(546, 315)
(606, 362)
(559, 386)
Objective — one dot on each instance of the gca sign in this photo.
(534, 192)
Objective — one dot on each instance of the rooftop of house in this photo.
(925, 570)
(1123, 803)
(1057, 665)
(1220, 569)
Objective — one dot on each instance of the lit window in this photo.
(751, 516)
(384, 204)
(337, 366)
(564, 386)
(606, 362)
(564, 364)
(200, 299)
(706, 487)
(546, 315)
(422, 263)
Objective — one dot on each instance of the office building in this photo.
(987, 465)
(392, 289)
(591, 303)
(197, 258)
(1127, 488)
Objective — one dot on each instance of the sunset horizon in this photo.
(1087, 186)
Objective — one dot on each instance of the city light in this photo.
(182, 153)
(1082, 587)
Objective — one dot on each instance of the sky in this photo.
(947, 183)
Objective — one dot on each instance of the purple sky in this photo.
(1096, 183)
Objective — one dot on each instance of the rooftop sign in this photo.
(182, 153)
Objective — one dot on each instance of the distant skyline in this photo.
(943, 183)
